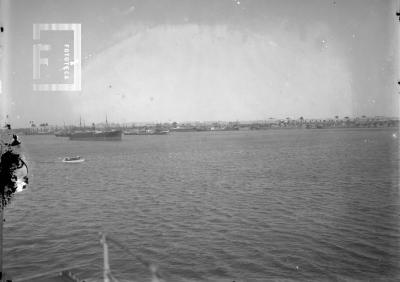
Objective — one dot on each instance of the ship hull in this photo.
(164, 132)
(97, 136)
(62, 134)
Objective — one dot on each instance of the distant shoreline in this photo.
(270, 124)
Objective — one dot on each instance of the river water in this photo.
(212, 206)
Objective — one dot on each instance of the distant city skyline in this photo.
(83, 123)
(165, 61)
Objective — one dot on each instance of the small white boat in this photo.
(76, 159)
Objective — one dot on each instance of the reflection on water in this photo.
(245, 205)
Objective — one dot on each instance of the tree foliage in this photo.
(9, 163)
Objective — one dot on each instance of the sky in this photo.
(192, 60)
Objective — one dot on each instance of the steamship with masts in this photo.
(96, 135)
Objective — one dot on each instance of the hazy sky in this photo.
(170, 60)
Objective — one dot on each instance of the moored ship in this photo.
(96, 135)
(62, 134)
(145, 131)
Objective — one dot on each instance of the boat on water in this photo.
(147, 132)
(76, 159)
(62, 134)
(226, 128)
(161, 132)
(184, 129)
(96, 135)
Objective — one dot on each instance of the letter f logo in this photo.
(37, 60)
(45, 84)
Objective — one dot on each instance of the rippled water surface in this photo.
(213, 206)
